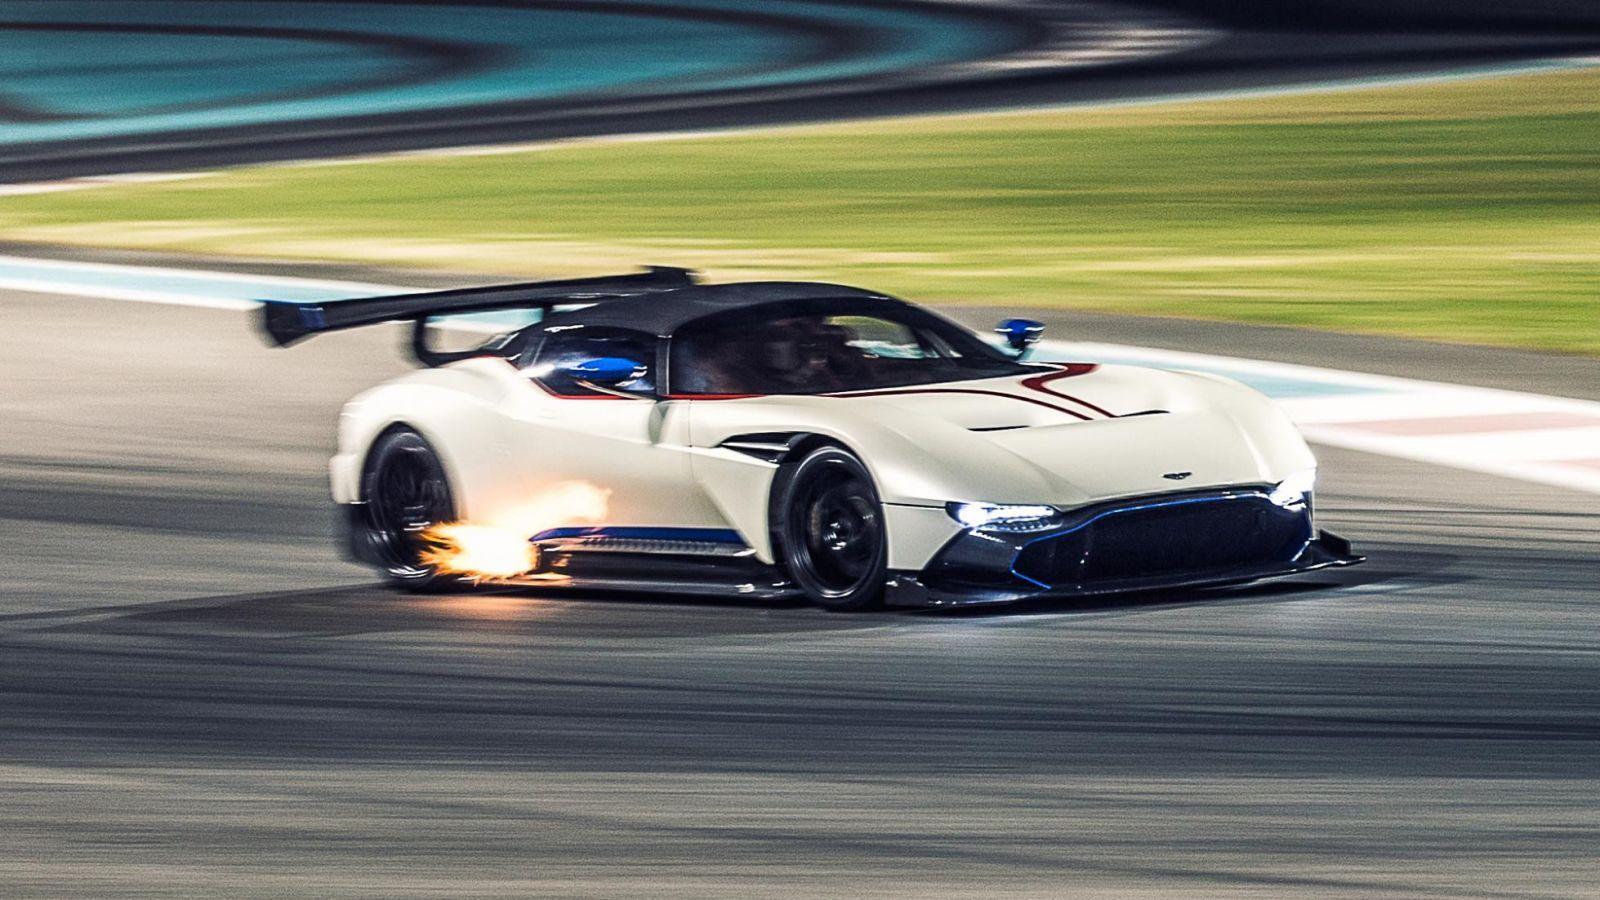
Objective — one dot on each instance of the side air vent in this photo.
(767, 447)
(607, 544)
(998, 428)
(1145, 412)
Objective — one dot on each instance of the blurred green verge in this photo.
(1463, 211)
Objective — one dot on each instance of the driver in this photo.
(805, 353)
(798, 354)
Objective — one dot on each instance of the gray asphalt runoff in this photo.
(1246, 44)
(197, 697)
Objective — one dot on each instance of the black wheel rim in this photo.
(839, 529)
(408, 496)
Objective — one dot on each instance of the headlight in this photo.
(1294, 491)
(996, 517)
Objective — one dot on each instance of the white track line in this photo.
(129, 294)
(181, 287)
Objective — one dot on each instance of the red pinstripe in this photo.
(1062, 409)
(1069, 370)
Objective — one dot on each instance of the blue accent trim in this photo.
(1232, 498)
(1020, 334)
(709, 535)
(603, 369)
(1032, 581)
(1018, 328)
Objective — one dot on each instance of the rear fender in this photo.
(455, 408)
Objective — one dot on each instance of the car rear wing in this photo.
(286, 322)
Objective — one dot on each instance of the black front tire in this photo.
(830, 532)
(406, 493)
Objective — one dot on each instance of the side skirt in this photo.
(582, 559)
(658, 573)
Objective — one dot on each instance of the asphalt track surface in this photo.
(198, 697)
(91, 89)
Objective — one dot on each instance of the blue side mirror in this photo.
(603, 370)
(1021, 333)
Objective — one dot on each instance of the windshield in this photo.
(823, 352)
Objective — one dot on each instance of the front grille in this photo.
(1167, 538)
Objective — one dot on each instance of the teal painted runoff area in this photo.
(72, 71)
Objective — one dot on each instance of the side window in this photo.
(569, 345)
(882, 338)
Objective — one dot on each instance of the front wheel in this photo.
(406, 494)
(829, 527)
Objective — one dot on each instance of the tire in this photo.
(830, 532)
(406, 492)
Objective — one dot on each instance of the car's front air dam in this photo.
(1159, 543)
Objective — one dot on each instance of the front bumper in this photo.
(1173, 541)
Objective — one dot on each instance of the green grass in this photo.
(1467, 211)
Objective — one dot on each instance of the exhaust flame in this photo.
(500, 549)
(479, 551)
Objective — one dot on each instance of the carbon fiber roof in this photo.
(663, 312)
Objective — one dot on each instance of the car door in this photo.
(622, 438)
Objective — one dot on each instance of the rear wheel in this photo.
(829, 525)
(406, 493)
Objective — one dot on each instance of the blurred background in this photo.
(1385, 215)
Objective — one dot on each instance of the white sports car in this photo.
(779, 439)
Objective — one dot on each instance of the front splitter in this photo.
(911, 589)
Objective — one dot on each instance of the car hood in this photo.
(1086, 434)
(1081, 434)
(1069, 395)
(1067, 436)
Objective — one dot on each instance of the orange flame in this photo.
(501, 550)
